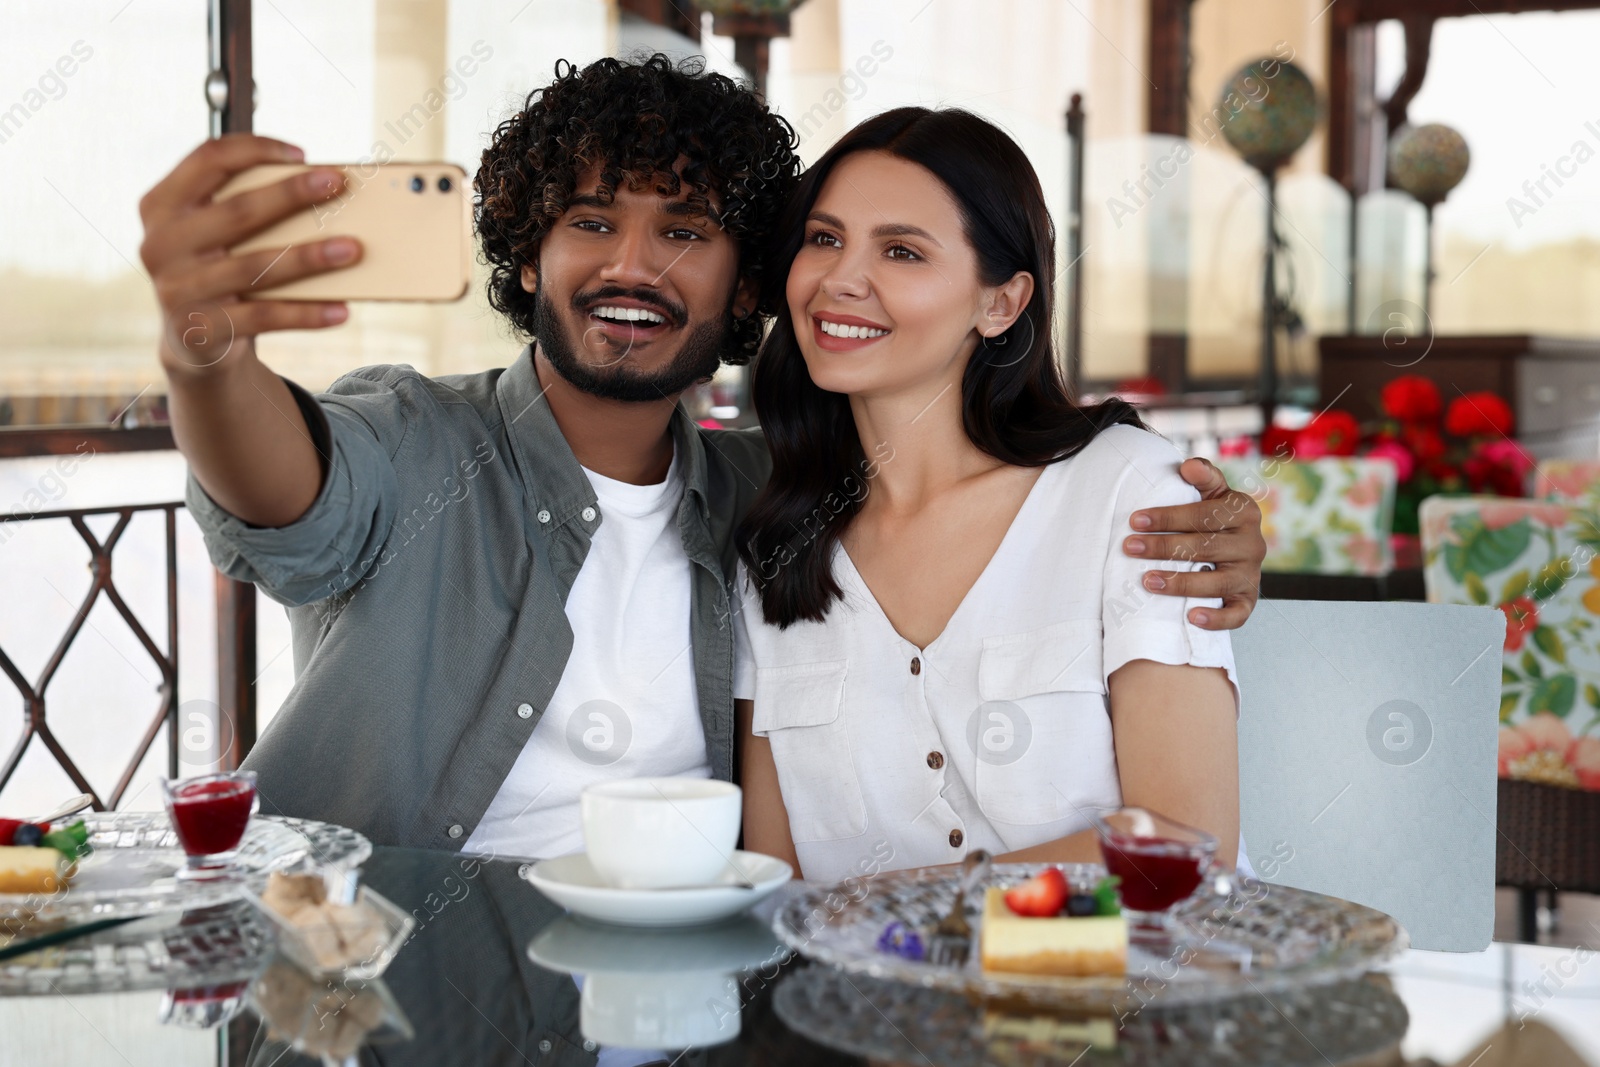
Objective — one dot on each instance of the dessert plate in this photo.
(571, 881)
(136, 855)
(888, 1022)
(1249, 937)
(188, 953)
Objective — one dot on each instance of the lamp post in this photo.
(1428, 162)
(1272, 109)
(752, 24)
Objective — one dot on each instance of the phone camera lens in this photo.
(417, 184)
(444, 185)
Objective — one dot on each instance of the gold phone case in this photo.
(416, 244)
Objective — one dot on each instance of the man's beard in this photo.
(696, 360)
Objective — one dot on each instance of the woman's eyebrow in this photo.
(888, 229)
(903, 229)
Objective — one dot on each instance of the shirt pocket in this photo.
(800, 710)
(1042, 734)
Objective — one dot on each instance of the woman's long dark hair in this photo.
(1014, 403)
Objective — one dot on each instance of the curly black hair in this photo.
(634, 120)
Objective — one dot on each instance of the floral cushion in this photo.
(1571, 481)
(1538, 563)
(1332, 515)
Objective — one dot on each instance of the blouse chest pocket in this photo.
(1042, 733)
(800, 710)
(1061, 657)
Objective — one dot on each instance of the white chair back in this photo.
(1367, 736)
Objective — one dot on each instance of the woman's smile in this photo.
(834, 332)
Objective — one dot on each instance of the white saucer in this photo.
(572, 882)
(578, 946)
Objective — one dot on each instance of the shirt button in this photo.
(936, 760)
(544, 1045)
(916, 665)
(455, 830)
(524, 711)
(544, 516)
(589, 1046)
(589, 514)
(523, 869)
(956, 837)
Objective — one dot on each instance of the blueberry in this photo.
(1080, 905)
(26, 835)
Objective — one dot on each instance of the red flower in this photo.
(1522, 615)
(1332, 433)
(1448, 477)
(1498, 467)
(1412, 398)
(1478, 413)
(1424, 443)
(1278, 442)
(1385, 447)
(1234, 447)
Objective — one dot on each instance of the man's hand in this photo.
(199, 285)
(1222, 528)
(234, 420)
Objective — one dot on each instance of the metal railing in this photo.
(36, 722)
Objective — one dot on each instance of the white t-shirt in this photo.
(998, 734)
(626, 705)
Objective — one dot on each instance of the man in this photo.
(504, 586)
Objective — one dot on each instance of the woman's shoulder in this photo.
(1117, 450)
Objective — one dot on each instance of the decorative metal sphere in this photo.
(1267, 111)
(1429, 161)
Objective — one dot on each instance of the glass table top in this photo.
(496, 973)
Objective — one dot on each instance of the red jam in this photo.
(209, 994)
(1154, 876)
(210, 817)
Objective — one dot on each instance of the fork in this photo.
(951, 943)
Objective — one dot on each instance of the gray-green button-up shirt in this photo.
(427, 585)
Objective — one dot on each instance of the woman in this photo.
(943, 642)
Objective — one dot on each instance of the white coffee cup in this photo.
(660, 833)
(659, 1010)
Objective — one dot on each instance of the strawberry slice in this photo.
(1041, 896)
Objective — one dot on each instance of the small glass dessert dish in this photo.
(328, 1020)
(209, 814)
(1160, 863)
(330, 926)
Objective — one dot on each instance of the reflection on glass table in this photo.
(659, 989)
(487, 977)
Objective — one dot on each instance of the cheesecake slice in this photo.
(32, 869)
(1064, 946)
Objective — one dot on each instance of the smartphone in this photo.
(414, 222)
